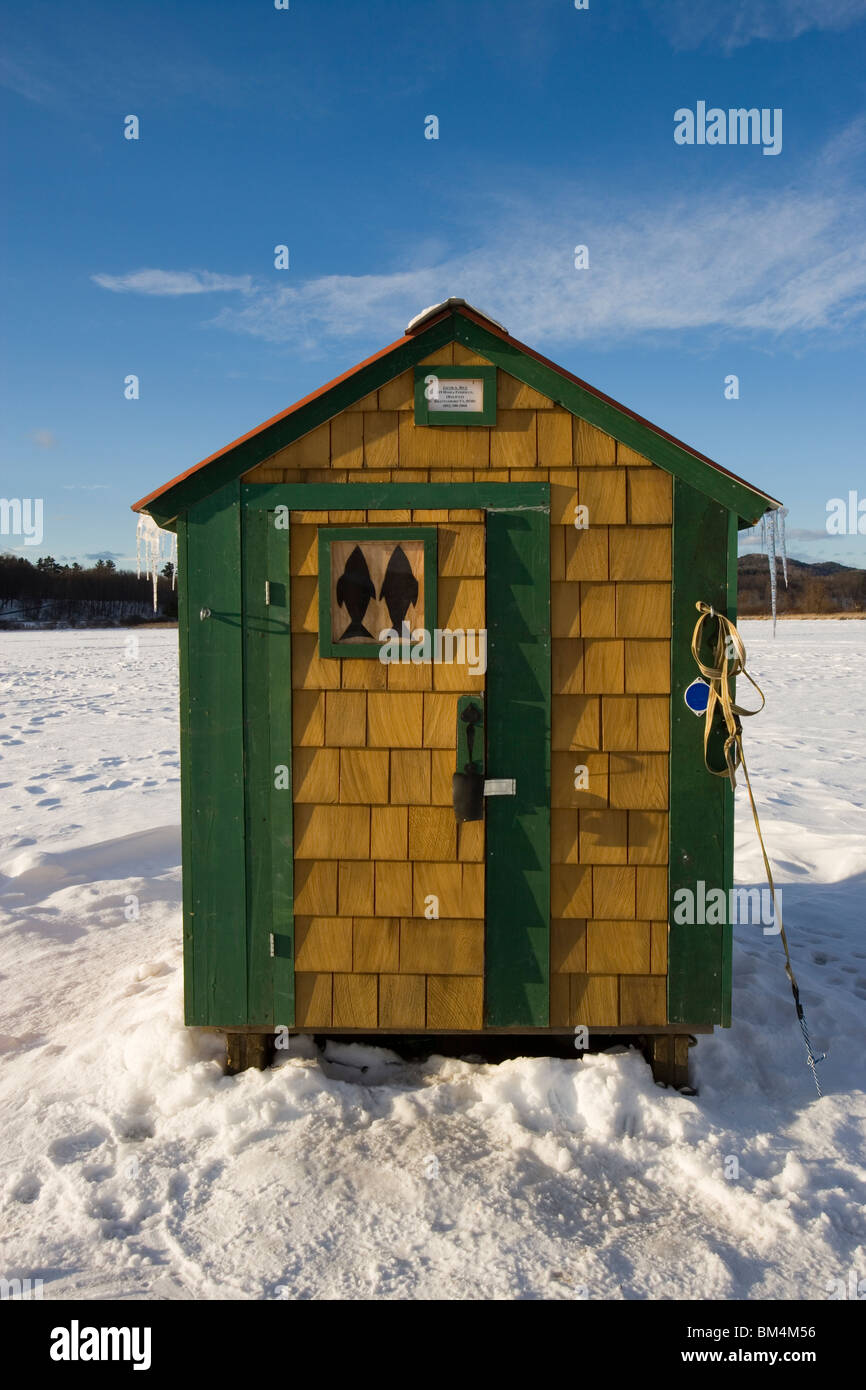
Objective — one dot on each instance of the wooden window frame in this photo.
(327, 535)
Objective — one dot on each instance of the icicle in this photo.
(780, 529)
(149, 543)
(771, 556)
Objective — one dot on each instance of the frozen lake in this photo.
(131, 1167)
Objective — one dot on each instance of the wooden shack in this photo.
(337, 877)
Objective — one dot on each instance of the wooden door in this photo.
(380, 910)
(518, 747)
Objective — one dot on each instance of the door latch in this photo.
(467, 784)
(500, 786)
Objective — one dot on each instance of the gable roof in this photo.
(457, 321)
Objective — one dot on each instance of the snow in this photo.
(130, 1167)
(415, 323)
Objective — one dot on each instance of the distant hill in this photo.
(824, 589)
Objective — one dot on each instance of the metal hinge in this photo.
(267, 602)
(273, 951)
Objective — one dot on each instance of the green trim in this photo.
(610, 418)
(425, 416)
(327, 535)
(518, 745)
(728, 936)
(700, 811)
(268, 745)
(281, 805)
(236, 461)
(190, 1012)
(257, 840)
(478, 760)
(382, 497)
(605, 415)
(213, 769)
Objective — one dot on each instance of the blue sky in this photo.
(306, 127)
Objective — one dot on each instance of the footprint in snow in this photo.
(106, 1209)
(133, 1128)
(26, 1189)
(74, 1147)
(97, 1172)
(179, 1190)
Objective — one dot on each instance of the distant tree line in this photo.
(50, 593)
(47, 592)
(823, 588)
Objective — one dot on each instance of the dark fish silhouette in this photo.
(399, 588)
(355, 590)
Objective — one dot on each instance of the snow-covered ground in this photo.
(131, 1167)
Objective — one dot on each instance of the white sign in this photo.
(462, 396)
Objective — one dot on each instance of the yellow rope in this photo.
(730, 662)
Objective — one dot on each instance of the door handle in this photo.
(467, 783)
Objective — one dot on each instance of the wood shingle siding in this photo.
(349, 896)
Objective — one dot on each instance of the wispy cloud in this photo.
(848, 144)
(731, 26)
(56, 55)
(173, 282)
(25, 79)
(759, 263)
(743, 261)
(800, 535)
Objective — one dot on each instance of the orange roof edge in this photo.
(282, 415)
(490, 327)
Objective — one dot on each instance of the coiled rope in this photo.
(730, 662)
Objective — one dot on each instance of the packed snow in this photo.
(131, 1167)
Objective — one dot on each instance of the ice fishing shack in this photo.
(438, 774)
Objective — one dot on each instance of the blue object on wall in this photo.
(697, 696)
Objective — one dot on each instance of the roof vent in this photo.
(419, 320)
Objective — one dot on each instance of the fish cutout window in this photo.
(374, 580)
